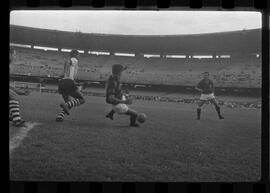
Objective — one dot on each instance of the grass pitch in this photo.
(170, 146)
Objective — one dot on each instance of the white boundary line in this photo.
(17, 139)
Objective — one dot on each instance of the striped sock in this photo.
(73, 103)
(61, 115)
(10, 116)
(14, 108)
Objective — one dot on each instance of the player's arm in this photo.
(198, 87)
(112, 99)
(212, 86)
(115, 100)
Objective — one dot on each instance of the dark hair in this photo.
(206, 73)
(117, 68)
(74, 53)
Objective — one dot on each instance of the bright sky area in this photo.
(138, 22)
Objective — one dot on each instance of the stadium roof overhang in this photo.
(237, 42)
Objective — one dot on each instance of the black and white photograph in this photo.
(135, 96)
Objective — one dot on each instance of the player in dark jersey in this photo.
(206, 87)
(68, 88)
(114, 96)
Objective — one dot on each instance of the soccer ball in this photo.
(141, 117)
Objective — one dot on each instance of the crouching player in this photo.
(206, 87)
(68, 88)
(114, 96)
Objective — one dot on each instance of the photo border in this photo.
(185, 187)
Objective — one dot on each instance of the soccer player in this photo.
(206, 87)
(14, 105)
(114, 95)
(68, 88)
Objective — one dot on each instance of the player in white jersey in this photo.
(68, 88)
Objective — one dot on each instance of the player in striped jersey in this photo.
(68, 88)
(14, 105)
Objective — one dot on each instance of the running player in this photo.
(114, 95)
(206, 87)
(68, 88)
(14, 105)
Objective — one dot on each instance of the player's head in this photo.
(206, 75)
(117, 70)
(74, 54)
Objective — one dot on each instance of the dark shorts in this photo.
(12, 95)
(67, 87)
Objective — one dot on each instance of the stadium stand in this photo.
(243, 69)
(226, 72)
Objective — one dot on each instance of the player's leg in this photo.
(77, 100)
(124, 109)
(10, 112)
(110, 114)
(62, 114)
(199, 108)
(72, 90)
(133, 117)
(14, 110)
(215, 103)
(63, 89)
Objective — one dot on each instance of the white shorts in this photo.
(206, 97)
(120, 108)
